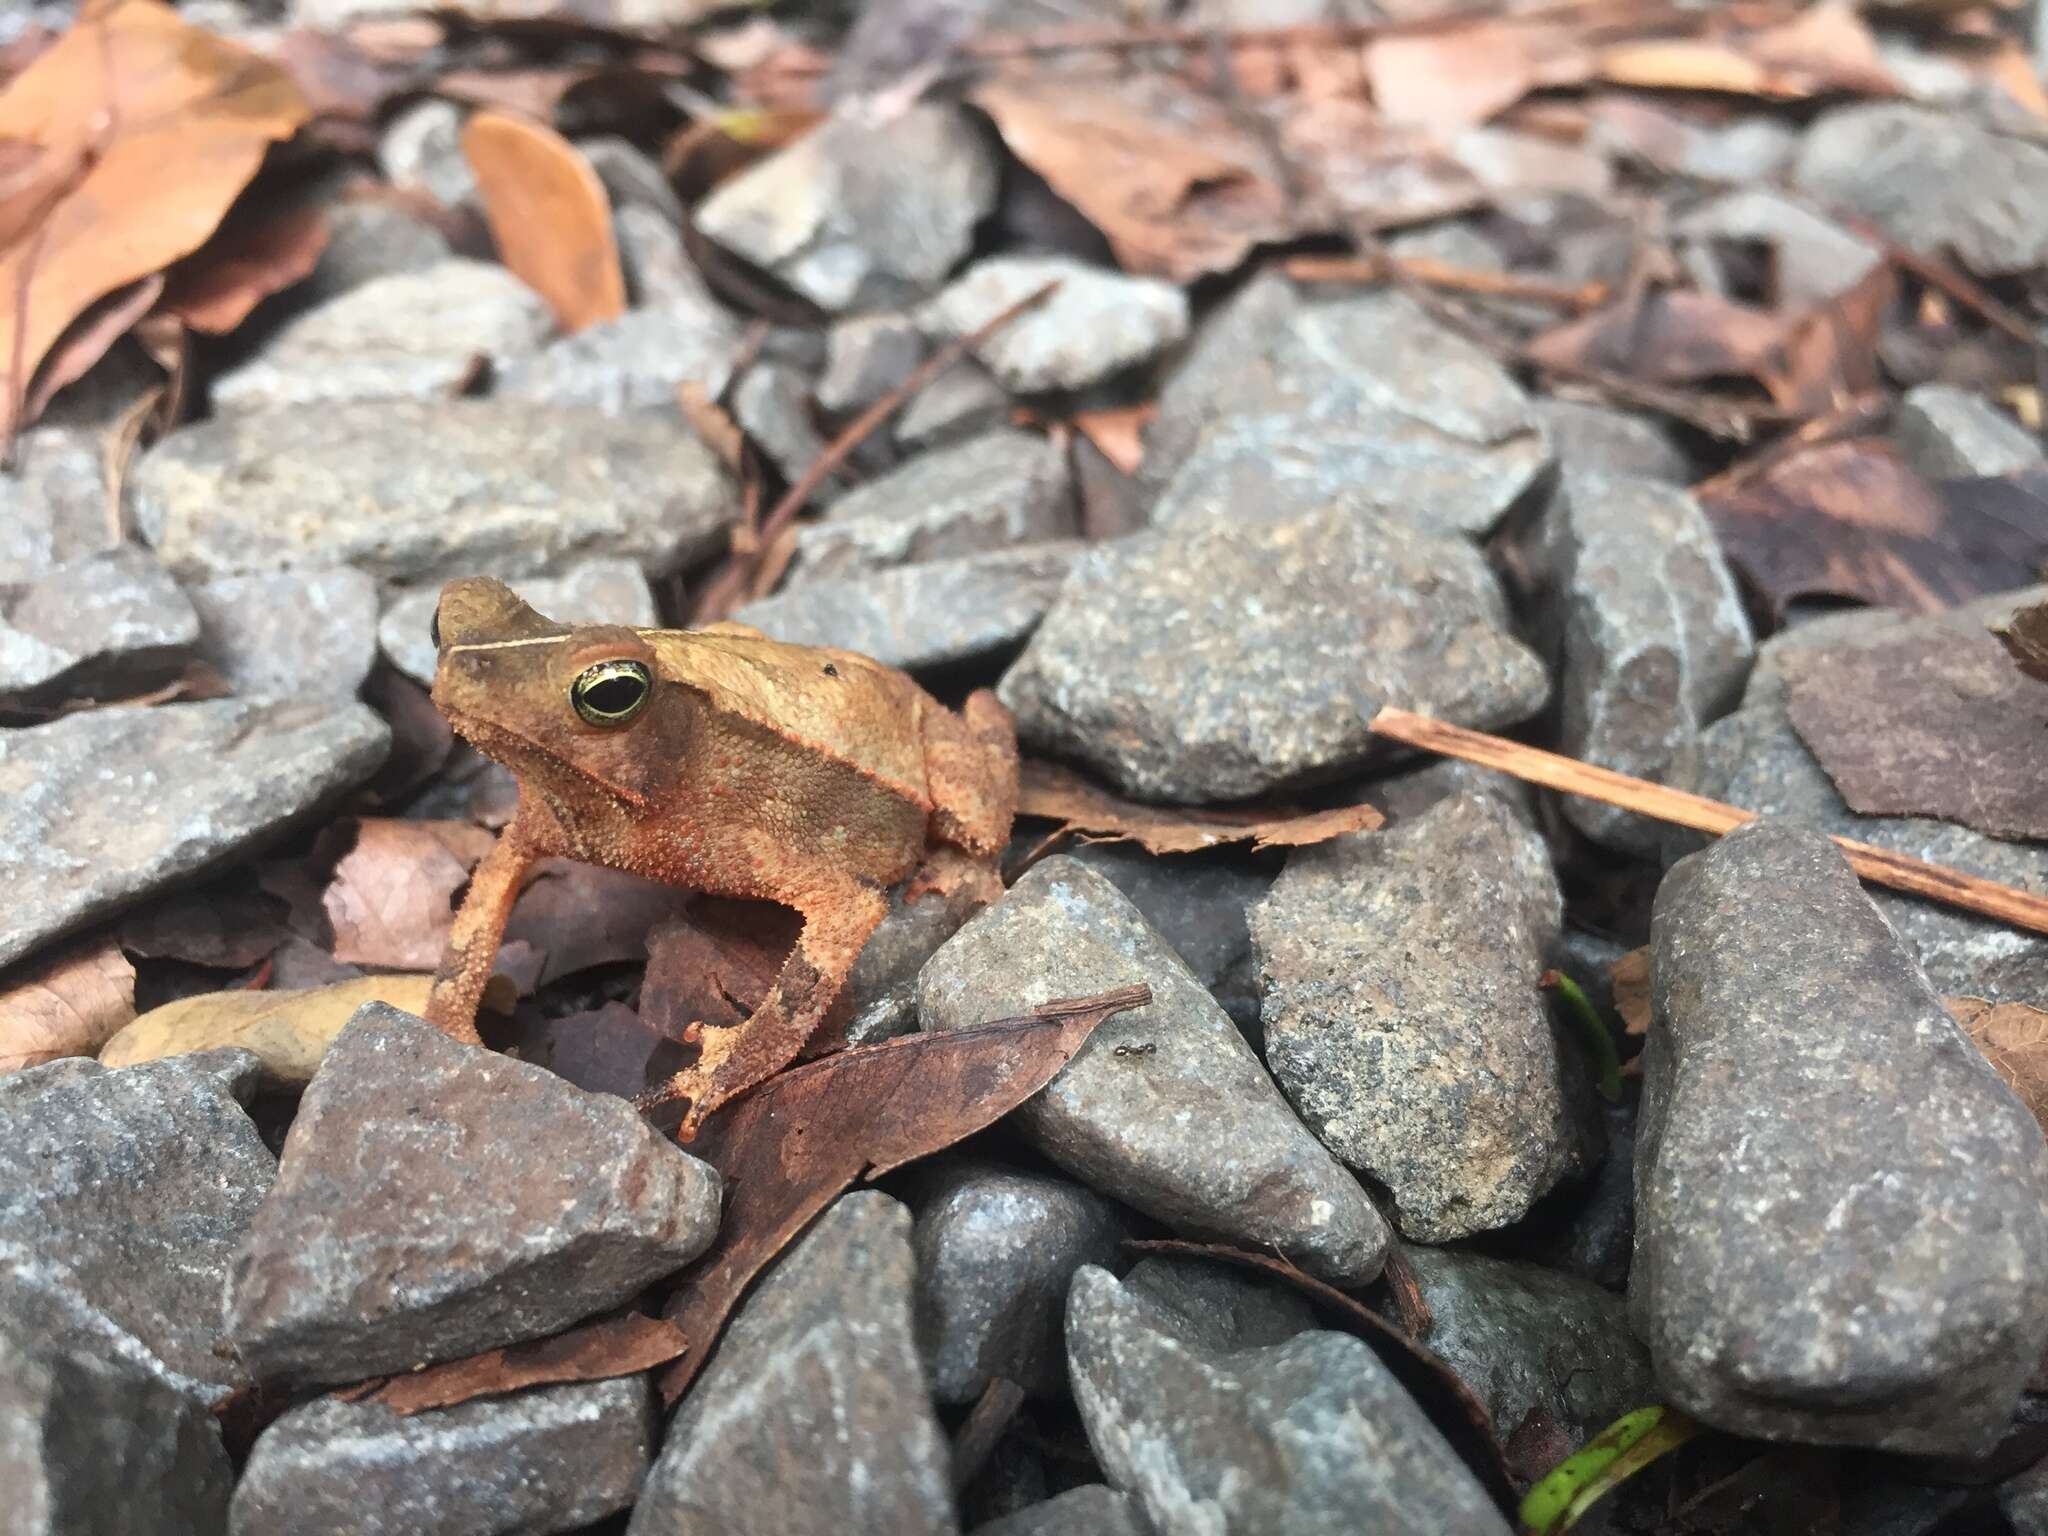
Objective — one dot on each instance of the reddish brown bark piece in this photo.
(613, 1346)
(1054, 793)
(2025, 638)
(1934, 722)
(791, 1146)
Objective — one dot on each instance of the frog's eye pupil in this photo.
(612, 692)
(434, 629)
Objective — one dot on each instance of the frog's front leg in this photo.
(837, 924)
(479, 927)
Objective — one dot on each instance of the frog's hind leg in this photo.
(734, 1058)
(971, 765)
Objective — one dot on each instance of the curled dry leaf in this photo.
(214, 289)
(1631, 976)
(68, 1005)
(787, 1149)
(549, 215)
(2014, 1039)
(612, 1346)
(391, 900)
(289, 1030)
(127, 92)
(1057, 794)
(1118, 434)
(2025, 638)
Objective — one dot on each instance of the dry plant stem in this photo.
(722, 595)
(1437, 274)
(1880, 866)
(986, 1421)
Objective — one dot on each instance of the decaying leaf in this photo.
(148, 129)
(1631, 976)
(714, 966)
(581, 915)
(68, 1005)
(289, 1030)
(613, 1346)
(391, 900)
(2025, 638)
(1058, 794)
(1668, 336)
(789, 1148)
(549, 215)
(2014, 1039)
(1933, 721)
(1118, 433)
(609, 1049)
(1828, 47)
(86, 339)
(1849, 519)
(214, 289)
(227, 926)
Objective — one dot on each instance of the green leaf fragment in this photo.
(1602, 1464)
(1592, 1030)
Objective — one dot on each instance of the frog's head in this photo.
(560, 705)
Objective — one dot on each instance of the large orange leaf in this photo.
(550, 216)
(136, 132)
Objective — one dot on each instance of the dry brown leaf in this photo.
(1631, 976)
(86, 339)
(1058, 794)
(289, 1030)
(1118, 434)
(391, 900)
(2025, 638)
(148, 130)
(1457, 78)
(549, 215)
(613, 1346)
(68, 1005)
(214, 289)
(2014, 1039)
(1826, 48)
(787, 1149)
(1668, 336)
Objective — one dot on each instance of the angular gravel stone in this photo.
(408, 336)
(772, 404)
(1654, 639)
(123, 1195)
(659, 272)
(961, 403)
(107, 625)
(87, 1445)
(1308, 1437)
(1090, 1510)
(366, 240)
(880, 1001)
(512, 488)
(1873, 1270)
(1950, 433)
(1532, 1341)
(812, 1419)
(1932, 179)
(866, 356)
(631, 177)
(548, 1459)
(1002, 488)
(99, 808)
(289, 635)
(1219, 1306)
(1225, 660)
(2023, 1501)
(1813, 259)
(595, 592)
(437, 1199)
(631, 364)
(861, 214)
(1191, 1130)
(1599, 437)
(53, 503)
(1097, 323)
(1284, 404)
(422, 147)
(934, 614)
(1404, 1021)
(995, 1250)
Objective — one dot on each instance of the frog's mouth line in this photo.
(482, 735)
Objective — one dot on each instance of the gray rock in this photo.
(1873, 1270)
(1654, 639)
(1223, 660)
(1813, 259)
(1405, 795)
(1949, 433)
(880, 1000)
(53, 503)
(1931, 180)
(861, 212)
(548, 1459)
(1599, 437)
(1513, 164)
(1190, 1131)
(512, 488)
(812, 1418)
(1090, 1510)
(866, 356)
(1404, 1022)
(100, 808)
(933, 614)
(961, 403)
(659, 271)
(632, 364)
(995, 1250)
(772, 403)
(1308, 1437)
(409, 336)
(421, 149)
(1532, 1341)
(1742, 151)
(632, 178)
(368, 239)
(123, 1195)
(1002, 488)
(1591, 1232)
(1097, 323)
(1283, 405)
(1217, 1306)
(291, 634)
(87, 1445)
(108, 625)
(436, 1199)
(594, 592)
(2023, 1500)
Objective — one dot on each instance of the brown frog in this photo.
(721, 760)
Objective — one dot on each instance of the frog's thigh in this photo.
(971, 766)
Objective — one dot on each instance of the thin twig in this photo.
(721, 595)
(986, 1421)
(1880, 866)
(1442, 275)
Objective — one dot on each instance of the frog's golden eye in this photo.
(612, 692)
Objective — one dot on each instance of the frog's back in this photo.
(836, 703)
